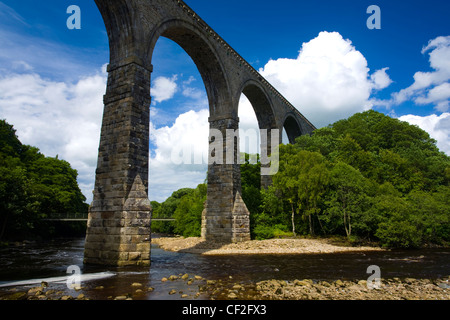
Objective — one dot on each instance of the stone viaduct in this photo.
(118, 231)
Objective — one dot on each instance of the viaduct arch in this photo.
(118, 231)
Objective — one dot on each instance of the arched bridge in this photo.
(119, 218)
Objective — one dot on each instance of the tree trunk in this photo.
(292, 218)
(311, 231)
(349, 226)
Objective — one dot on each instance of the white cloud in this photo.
(59, 118)
(430, 87)
(380, 79)
(164, 88)
(437, 126)
(187, 136)
(328, 81)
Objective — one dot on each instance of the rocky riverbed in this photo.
(228, 289)
(272, 246)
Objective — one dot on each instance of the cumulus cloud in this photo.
(59, 118)
(328, 81)
(437, 126)
(430, 87)
(179, 156)
(164, 88)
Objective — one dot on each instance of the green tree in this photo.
(188, 213)
(301, 181)
(33, 186)
(347, 194)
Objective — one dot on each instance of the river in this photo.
(25, 265)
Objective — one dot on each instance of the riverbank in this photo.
(271, 246)
(196, 287)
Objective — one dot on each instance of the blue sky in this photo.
(320, 55)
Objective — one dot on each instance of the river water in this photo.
(26, 265)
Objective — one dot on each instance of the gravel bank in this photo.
(272, 246)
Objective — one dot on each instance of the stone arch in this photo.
(262, 105)
(119, 223)
(202, 52)
(292, 127)
(264, 110)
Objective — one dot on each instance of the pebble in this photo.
(232, 295)
(136, 284)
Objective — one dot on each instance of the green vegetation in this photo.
(32, 187)
(185, 206)
(369, 178)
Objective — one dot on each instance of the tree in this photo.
(301, 181)
(347, 193)
(32, 186)
(188, 214)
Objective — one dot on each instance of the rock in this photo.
(66, 298)
(44, 284)
(362, 283)
(136, 284)
(210, 282)
(81, 297)
(232, 295)
(443, 285)
(173, 277)
(184, 296)
(49, 292)
(237, 287)
(302, 283)
(150, 289)
(338, 283)
(35, 291)
(121, 298)
(173, 291)
(164, 279)
(279, 291)
(185, 276)
(16, 296)
(139, 291)
(198, 278)
(99, 288)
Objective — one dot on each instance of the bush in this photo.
(262, 232)
(399, 234)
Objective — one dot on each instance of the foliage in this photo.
(369, 177)
(33, 187)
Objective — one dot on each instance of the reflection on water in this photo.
(51, 259)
